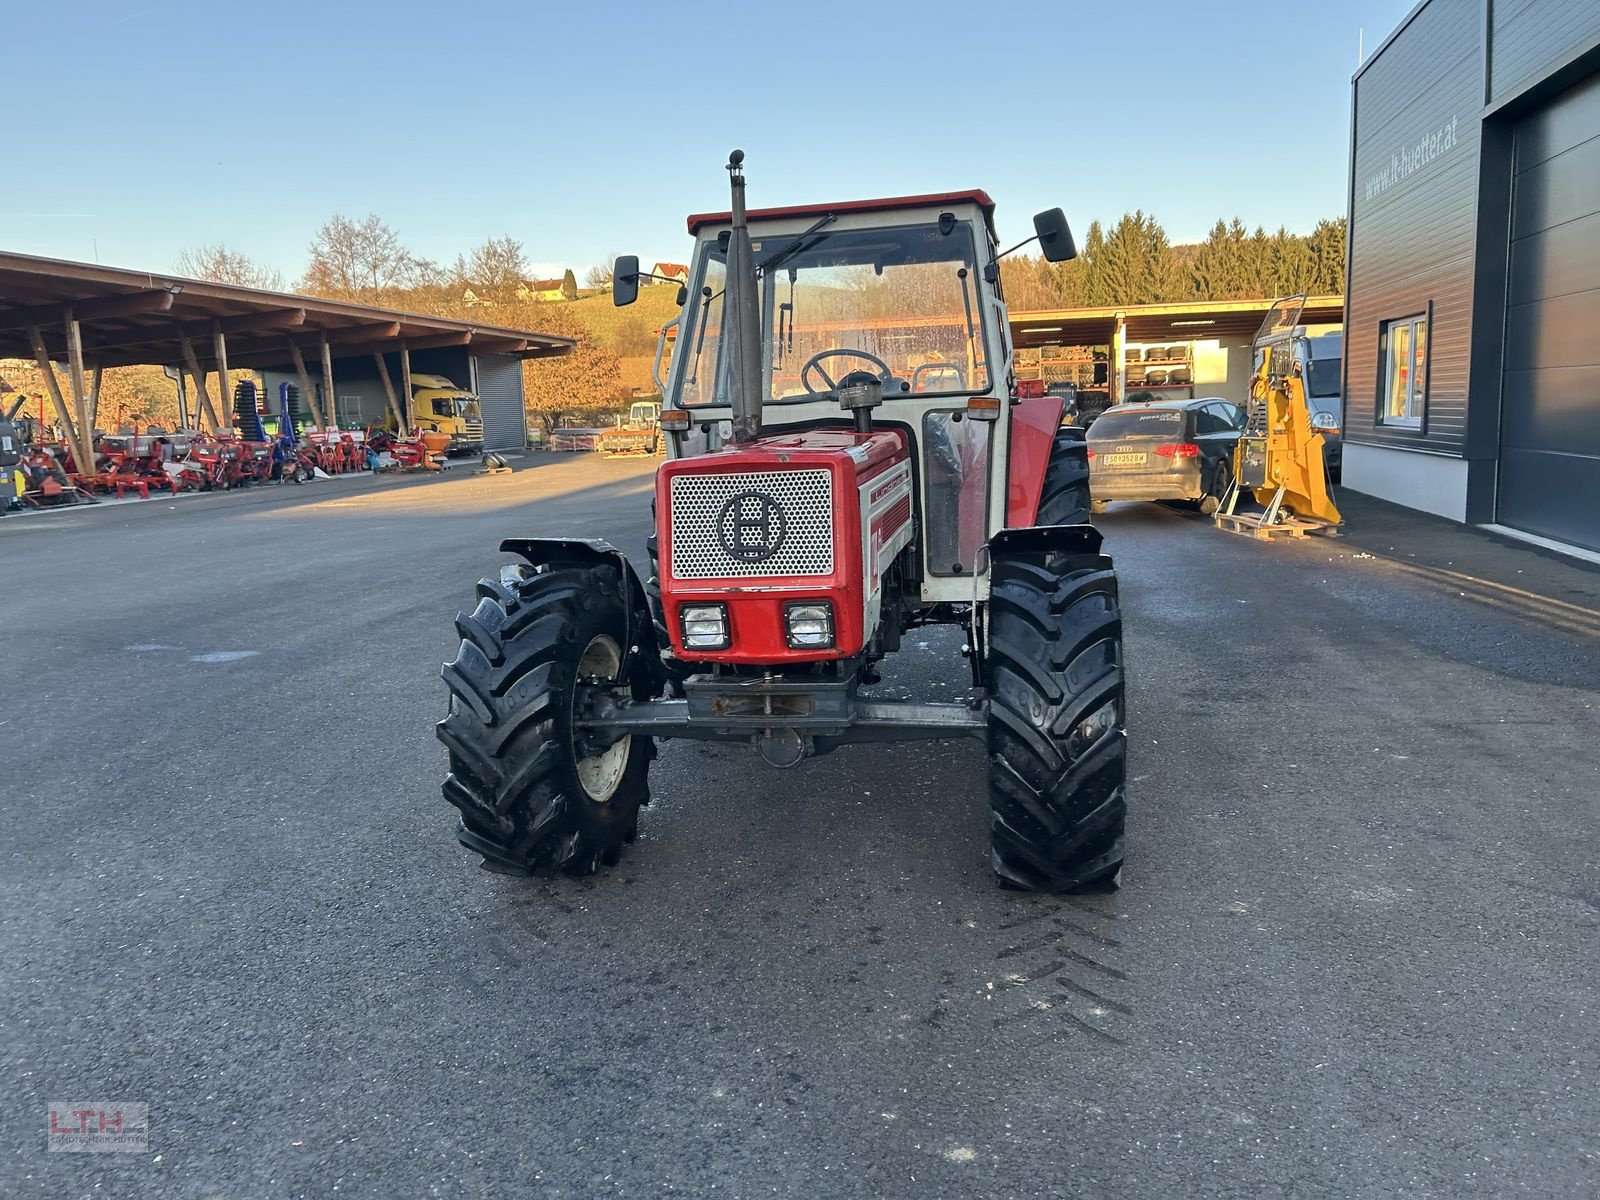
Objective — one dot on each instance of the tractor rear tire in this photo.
(1064, 499)
(1057, 750)
(531, 797)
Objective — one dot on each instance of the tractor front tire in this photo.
(532, 795)
(1064, 500)
(1057, 750)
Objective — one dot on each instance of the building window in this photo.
(1404, 357)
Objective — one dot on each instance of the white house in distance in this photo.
(670, 273)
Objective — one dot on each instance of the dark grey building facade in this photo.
(1472, 325)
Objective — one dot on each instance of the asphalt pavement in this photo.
(1354, 953)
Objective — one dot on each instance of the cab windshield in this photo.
(900, 304)
(447, 407)
(1322, 376)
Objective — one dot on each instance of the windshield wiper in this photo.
(966, 303)
(799, 246)
(700, 338)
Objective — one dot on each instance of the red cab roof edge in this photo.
(697, 221)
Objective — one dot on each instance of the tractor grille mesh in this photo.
(702, 522)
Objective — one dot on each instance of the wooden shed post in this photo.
(1119, 350)
(94, 395)
(328, 397)
(80, 393)
(307, 391)
(208, 415)
(405, 388)
(53, 385)
(219, 342)
(388, 390)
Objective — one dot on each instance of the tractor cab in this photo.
(901, 294)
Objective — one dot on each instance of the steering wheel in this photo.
(814, 363)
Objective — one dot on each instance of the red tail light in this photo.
(1179, 450)
(1091, 451)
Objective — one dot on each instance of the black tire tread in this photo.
(1064, 499)
(1058, 809)
(512, 775)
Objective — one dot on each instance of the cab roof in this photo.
(698, 221)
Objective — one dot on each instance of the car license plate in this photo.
(1123, 460)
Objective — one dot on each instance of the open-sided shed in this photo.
(92, 317)
(1231, 322)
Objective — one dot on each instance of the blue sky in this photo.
(583, 128)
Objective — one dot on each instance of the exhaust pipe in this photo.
(742, 310)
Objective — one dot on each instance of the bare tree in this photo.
(360, 260)
(600, 277)
(497, 265)
(222, 265)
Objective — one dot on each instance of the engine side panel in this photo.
(885, 506)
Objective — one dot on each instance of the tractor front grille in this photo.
(752, 524)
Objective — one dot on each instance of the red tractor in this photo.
(824, 493)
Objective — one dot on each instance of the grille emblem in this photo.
(751, 527)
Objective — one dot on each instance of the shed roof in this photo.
(132, 317)
(1188, 321)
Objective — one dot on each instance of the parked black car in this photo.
(1169, 450)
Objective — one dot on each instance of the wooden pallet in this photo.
(1269, 525)
(1255, 525)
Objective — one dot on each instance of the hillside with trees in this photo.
(366, 261)
(1135, 263)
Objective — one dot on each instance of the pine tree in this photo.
(1136, 264)
(1292, 263)
(1255, 261)
(1219, 263)
(1327, 246)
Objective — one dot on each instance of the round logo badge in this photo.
(751, 527)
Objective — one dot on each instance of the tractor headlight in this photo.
(705, 626)
(808, 626)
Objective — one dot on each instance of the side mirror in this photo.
(1055, 238)
(625, 280)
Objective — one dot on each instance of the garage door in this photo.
(500, 393)
(1550, 423)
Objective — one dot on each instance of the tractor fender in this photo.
(1035, 424)
(1045, 539)
(596, 552)
(1060, 548)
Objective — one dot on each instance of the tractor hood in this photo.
(866, 450)
(813, 517)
